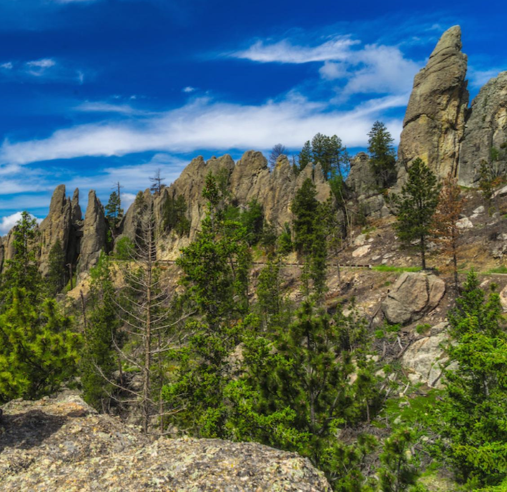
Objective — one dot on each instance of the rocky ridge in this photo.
(62, 444)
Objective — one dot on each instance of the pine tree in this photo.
(304, 208)
(100, 334)
(382, 154)
(445, 229)
(415, 206)
(56, 274)
(22, 271)
(114, 212)
(296, 392)
(470, 416)
(400, 468)
(215, 276)
(174, 215)
(38, 351)
(330, 153)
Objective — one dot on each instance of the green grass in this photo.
(500, 269)
(388, 268)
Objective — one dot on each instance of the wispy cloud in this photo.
(105, 107)
(207, 124)
(285, 52)
(41, 71)
(189, 89)
(372, 69)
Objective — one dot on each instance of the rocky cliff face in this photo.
(63, 444)
(248, 179)
(486, 132)
(434, 123)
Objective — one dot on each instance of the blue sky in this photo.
(98, 91)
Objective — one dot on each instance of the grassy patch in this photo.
(388, 268)
(500, 269)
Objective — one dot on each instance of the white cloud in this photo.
(286, 52)
(373, 69)
(44, 63)
(105, 107)
(189, 89)
(205, 124)
(38, 68)
(7, 65)
(9, 221)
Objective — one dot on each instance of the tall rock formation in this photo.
(94, 235)
(55, 227)
(435, 119)
(486, 132)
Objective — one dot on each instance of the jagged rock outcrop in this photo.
(486, 132)
(55, 227)
(94, 234)
(412, 296)
(362, 182)
(63, 445)
(248, 179)
(434, 123)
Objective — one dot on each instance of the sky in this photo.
(93, 92)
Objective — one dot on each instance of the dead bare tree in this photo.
(143, 305)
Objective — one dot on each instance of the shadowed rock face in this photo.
(63, 444)
(56, 226)
(434, 123)
(94, 234)
(486, 129)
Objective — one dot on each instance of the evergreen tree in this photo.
(415, 206)
(445, 229)
(330, 153)
(215, 275)
(296, 392)
(470, 416)
(100, 334)
(114, 212)
(57, 273)
(22, 271)
(38, 351)
(174, 215)
(304, 208)
(253, 220)
(400, 468)
(382, 154)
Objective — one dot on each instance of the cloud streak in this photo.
(207, 124)
(369, 69)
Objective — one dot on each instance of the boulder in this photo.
(424, 359)
(486, 129)
(61, 444)
(412, 296)
(434, 123)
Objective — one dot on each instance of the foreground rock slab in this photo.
(63, 445)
